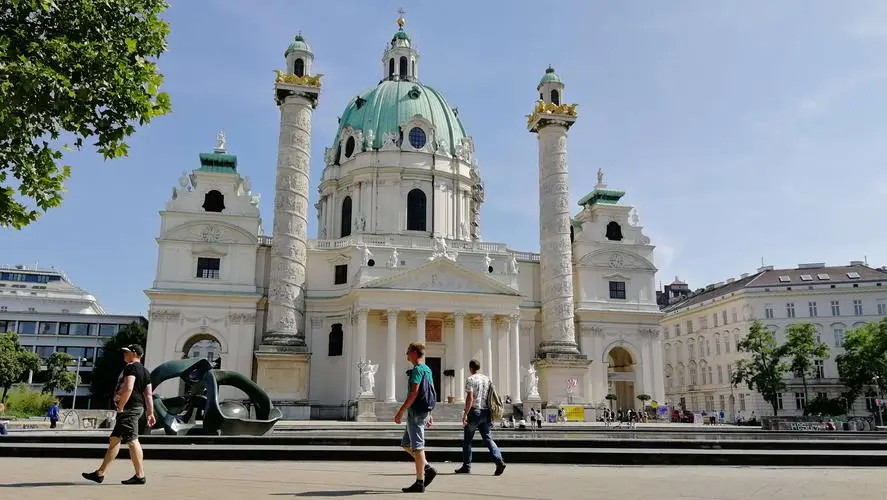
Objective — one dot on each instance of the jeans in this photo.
(479, 420)
(414, 435)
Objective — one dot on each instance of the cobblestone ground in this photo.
(32, 479)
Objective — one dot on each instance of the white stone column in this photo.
(391, 355)
(459, 346)
(488, 345)
(514, 358)
(362, 334)
(420, 325)
(286, 295)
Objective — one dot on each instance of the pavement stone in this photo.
(35, 479)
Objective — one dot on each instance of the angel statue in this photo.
(514, 268)
(367, 255)
(367, 376)
(488, 261)
(394, 259)
(532, 382)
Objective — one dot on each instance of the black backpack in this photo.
(426, 400)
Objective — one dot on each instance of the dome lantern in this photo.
(400, 60)
(299, 57)
(551, 88)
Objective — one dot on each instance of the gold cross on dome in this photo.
(400, 20)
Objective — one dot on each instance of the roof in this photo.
(218, 162)
(383, 108)
(768, 277)
(298, 44)
(549, 77)
(602, 196)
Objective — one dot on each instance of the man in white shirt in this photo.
(476, 417)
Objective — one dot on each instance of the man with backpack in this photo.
(416, 410)
(482, 406)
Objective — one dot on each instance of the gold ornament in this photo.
(291, 79)
(549, 108)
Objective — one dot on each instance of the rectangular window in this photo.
(107, 330)
(707, 347)
(714, 320)
(63, 328)
(722, 402)
(839, 337)
(836, 308)
(821, 395)
(617, 290)
(336, 340)
(717, 347)
(703, 322)
(768, 311)
(44, 351)
(790, 310)
(726, 345)
(742, 402)
(720, 374)
(689, 327)
(82, 329)
(47, 328)
(724, 316)
(677, 330)
(819, 368)
(779, 404)
(870, 402)
(800, 402)
(341, 274)
(857, 307)
(882, 307)
(665, 332)
(6, 326)
(811, 306)
(27, 327)
(735, 315)
(208, 268)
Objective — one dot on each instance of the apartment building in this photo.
(701, 331)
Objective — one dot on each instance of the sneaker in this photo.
(463, 470)
(134, 480)
(500, 468)
(430, 474)
(93, 476)
(416, 487)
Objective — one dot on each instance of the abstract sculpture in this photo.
(179, 415)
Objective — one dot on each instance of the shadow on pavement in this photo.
(41, 485)
(332, 494)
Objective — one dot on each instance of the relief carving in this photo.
(244, 317)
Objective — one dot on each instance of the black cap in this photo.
(137, 349)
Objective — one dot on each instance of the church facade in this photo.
(398, 257)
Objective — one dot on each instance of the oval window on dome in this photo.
(417, 138)
(349, 147)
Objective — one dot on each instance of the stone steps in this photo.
(443, 412)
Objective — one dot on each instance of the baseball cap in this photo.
(137, 349)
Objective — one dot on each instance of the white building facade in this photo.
(701, 332)
(50, 314)
(398, 258)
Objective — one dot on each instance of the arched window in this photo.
(338, 154)
(299, 67)
(349, 147)
(391, 67)
(214, 201)
(346, 217)
(404, 66)
(337, 340)
(571, 233)
(413, 68)
(614, 231)
(416, 210)
(555, 97)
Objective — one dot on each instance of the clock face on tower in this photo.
(616, 261)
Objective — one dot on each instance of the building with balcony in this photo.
(700, 332)
(51, 314)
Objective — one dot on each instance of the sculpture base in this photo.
(554, 374)
(283, 374)
(559, 349)
(366, 408)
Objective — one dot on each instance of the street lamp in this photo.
(77, 381)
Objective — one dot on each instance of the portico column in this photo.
(514, 358)
(460, 356)
(420, 326)
(391, 353)
(488, 344)
(362, 334)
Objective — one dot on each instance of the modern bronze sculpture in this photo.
(180, 415)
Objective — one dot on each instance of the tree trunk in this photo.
(806, 396)
(5, 390)
(775, 404)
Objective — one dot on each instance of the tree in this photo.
(78, 68)
(803, 349)
(109, 366)
(763, 370)
(863, 359)
(57, 374)
(15, 362)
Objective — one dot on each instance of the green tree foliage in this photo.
(763, 369)
(828, 407)
(74, 68)
(803, 350)
(109, 366)
(15, 362)
(57, 374)
(863, 359)
(23, 402)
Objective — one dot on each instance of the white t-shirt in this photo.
(479, 386)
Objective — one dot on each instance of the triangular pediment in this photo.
(443, 275)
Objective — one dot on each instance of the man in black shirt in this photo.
(132, 399)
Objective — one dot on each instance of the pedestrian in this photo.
(417, 408)
(53, 414)
(477, 417)
(132, 399)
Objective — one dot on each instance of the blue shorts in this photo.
(414, 435)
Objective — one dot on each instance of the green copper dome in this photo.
(298, 44)
(550, 76)
(391, 103)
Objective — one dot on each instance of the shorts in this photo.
(414, 435)
(126, 426)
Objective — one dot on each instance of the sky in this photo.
(742, 130)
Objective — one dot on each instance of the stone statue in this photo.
(600, 177)
(514, 266)
(440, 249)
(463, 227)
(394, 260)
(389, 141)
(532, 382)
(633, 219)
(460, 151)
(361, 223)
(488, 262)
(220, 142)
(367, 376)
(321, 234)
(247, 184)
(371, 137)
(367, 255)
(329, 156)
(358, 139)
(256, 199)
(443, 147)
(184, 181)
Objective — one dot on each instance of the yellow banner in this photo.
(574, 413)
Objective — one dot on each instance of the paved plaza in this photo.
(34, 479)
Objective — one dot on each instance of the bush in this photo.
(23, 402)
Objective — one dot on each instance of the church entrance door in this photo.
(621, 375)
(434, 364)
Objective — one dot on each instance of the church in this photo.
(324, 322)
